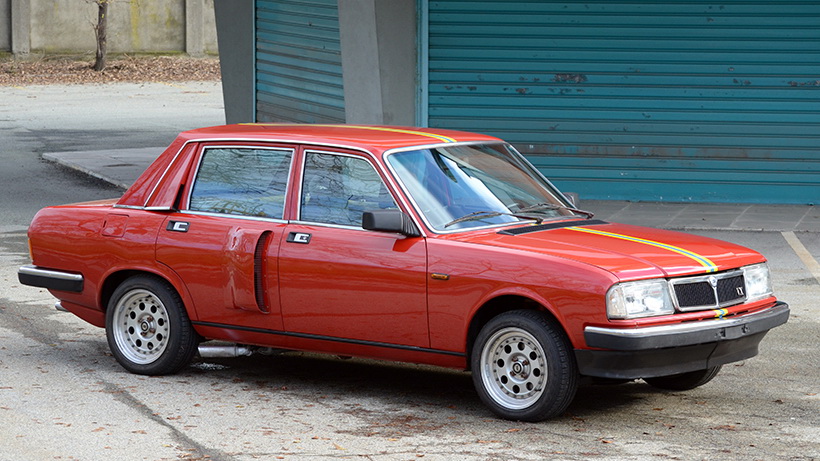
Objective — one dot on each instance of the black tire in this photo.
(684, 381)
(523, 366)
(147, 327)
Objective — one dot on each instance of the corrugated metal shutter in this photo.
(298, 62)
(646, 100)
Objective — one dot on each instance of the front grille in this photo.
(731, 289)
(709, 291)
(695, 294)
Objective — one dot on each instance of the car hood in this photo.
(628, 252)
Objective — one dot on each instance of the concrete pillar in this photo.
(194, 28)
(235, 35)
(21, 27)
(379, 60)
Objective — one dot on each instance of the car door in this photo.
(339, 281)
(224, 243)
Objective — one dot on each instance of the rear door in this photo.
(224, 244)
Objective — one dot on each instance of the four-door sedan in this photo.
(406, 244)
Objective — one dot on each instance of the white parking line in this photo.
(803, 254)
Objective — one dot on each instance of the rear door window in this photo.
(245, 181)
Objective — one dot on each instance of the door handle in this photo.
(298, 237)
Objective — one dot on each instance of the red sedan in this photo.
(407, 244)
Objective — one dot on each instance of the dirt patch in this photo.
(50, 70)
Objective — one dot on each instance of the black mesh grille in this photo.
(731, 289)
(695, 294)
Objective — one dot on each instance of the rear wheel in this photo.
(523, 367)
(684, 381)
(147, 327)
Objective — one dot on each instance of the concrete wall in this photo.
(135, 26)
(5, 25)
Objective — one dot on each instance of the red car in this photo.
(407, 244)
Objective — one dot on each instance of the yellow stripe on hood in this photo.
(700, 259)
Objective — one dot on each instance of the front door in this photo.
(340, 282)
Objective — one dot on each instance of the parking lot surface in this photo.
(63, 396)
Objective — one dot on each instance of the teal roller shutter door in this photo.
(298, 62)
(673, 101)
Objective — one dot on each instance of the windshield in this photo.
(468, 186)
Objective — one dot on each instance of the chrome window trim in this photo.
(291, 150)
(233, 216)
(333, 226)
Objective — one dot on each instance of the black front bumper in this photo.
(672, 349)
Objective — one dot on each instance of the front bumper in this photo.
(672, 349)
(51, 279)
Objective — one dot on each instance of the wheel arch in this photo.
(116, 278)
(499, 305)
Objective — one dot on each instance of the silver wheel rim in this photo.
(513, 368)
(141, 327)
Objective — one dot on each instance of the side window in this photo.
(242, 181)
(337, 189)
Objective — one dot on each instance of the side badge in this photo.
(298, 237)
(177, 226)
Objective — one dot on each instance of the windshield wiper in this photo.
(552, 206)
(492, 214)
(521, 214)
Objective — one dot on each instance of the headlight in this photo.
(758, 285)
(644, 298)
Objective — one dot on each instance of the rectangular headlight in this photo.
(758, 284)
(643, 298)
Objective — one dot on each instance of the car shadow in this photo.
(391, 383)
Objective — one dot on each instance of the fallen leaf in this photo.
(725, 427)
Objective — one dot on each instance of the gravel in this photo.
(49, 70)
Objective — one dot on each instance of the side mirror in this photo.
(389, 221)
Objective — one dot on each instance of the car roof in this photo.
(369, 137)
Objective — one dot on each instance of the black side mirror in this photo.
(389, 221)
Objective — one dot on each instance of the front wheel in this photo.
(148, 330)
(523, 366)
(683, 381)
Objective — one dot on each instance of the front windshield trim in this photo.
(549, 186)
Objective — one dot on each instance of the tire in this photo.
(683, 381)
(147, 327)
(523, 366)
